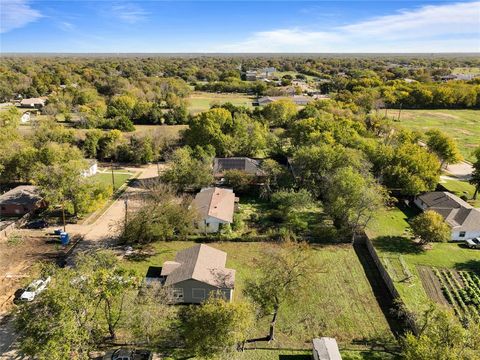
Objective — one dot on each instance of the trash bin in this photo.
(64, 238)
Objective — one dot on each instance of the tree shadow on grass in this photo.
(397, 244)
(294, 357)
(470, 265)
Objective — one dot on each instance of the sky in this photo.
(124, 26)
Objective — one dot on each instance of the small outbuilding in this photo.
(197, 273)
(92, 168)
(326, 348)
(20, 201)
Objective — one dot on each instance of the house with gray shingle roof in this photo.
(197, 273)
(245, 164)
(463, 218)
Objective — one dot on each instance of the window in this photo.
(178, 294)
(462, 234)
(198, 293)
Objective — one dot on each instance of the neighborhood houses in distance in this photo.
(278, 180)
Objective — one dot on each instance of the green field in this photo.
(340, 302)
(462, 125)
(119, 177)
(201, 101)
(391, 236)
(466, 70)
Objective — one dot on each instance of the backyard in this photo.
(340, 304)
(462, 125)
(460, 188)
(405, 260)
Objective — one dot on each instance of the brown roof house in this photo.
(326, 348)
(461, 216)
(197, 273)
(215, 207)
(20, 201)
(245, 164)
(36, 103)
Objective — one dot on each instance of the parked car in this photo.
(36, 224)
(473, 243)
(35, 288)
(129, 354)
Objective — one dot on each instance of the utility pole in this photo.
(113, 177)
(126, 210)
(63, 216)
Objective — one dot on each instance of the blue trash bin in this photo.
(64, 238)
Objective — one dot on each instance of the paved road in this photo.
(462, 170)
(98, 234)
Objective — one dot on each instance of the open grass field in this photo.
(390, 232)
(466, 70)
(340, 302)
(462, 125)
(201, 101)
(119, 177)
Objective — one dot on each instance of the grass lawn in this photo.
(120, 177)
(459, 188)
(340, 302)
(466, 70)
(391, 238)
(201, 101)
(462, 125)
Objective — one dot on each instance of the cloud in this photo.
(432, 28)
(16, 14)
(66, 26)
(129, 12)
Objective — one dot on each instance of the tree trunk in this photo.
(271, 335)
(476, 192)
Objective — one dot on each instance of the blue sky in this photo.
(239, 26)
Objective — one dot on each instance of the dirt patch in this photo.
(18, 257)
(432, 285)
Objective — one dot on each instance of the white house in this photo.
(463, 218)
(92, 168)
(215, 206)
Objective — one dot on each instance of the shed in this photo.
(326, 348)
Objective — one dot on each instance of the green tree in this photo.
(215, 328)
(430, 227)
(78, 309)
(408, 168)
(187, 170)
(287, 205)
(283, 272)
(10, 118)
(475, 179)
(444, 146)
(442, 337)
(353, 199)
(163, 216)
(280, 112)
(63, 184)
(239, 180)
